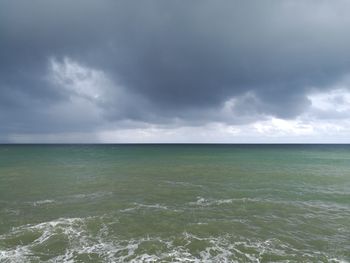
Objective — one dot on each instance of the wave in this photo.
(137, 206)
(315, 204)
(210, 202)
(90, 196)
(71, 198)
(42, 202)
(81, 242)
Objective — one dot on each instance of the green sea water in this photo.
(174, 203)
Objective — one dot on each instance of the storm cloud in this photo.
(92, 66)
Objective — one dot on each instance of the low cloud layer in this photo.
(198, 71)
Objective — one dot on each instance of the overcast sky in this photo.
(175, 71)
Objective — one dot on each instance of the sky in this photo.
(198, 71)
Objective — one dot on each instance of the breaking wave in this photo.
(82, 239)
(137, 206)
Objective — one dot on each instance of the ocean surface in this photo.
(174, 203)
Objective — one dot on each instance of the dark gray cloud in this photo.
(175, 60)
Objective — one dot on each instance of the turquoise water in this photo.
(174, 203)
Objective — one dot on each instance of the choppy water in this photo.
(175, 203)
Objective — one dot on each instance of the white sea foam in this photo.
(71, 198)
(11, 211)
(42, 202)
(316, 205)
(24, 252)
(155, 206)
(137, 206)
(96, 195)
(210, 202)
(109, 248)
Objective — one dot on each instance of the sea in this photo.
(175, 203)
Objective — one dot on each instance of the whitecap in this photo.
(96, 195)
(209, 202)
(111, 248)
(42, 202)
(142, 206)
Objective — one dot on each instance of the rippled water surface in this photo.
(175, 203)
